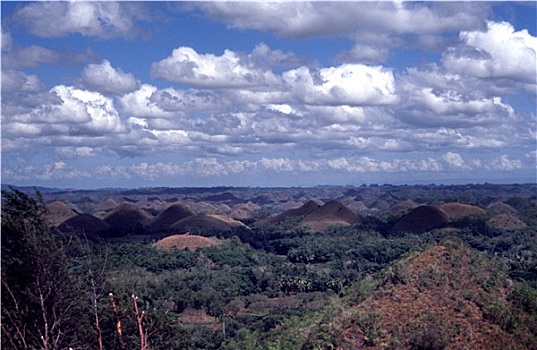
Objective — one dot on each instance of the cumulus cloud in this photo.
(455, 160)
(63, 114)
(504, 163)
(498, 52)
(106, 79)
(347, 84)
(99, 19)
(229, 70)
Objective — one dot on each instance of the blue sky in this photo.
(140, 94)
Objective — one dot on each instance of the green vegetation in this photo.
(272, 287)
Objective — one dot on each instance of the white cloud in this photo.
(139, 103)
(106, 79)
(504, 163)
(498, 52)
(64, 116)
(100, 18)
(229, 70)
(14, 81)
(306, 19)
(455, 160)
(347, 84)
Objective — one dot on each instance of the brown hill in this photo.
(243, 211)
(205, 208)
(186, 241)
(505, 222)
(403, 206)
(306, 209)
(446, 297)
(458, 210)
(127, 219)
(57, 212)
(105, 205)
(501, 208)
(169, 216)
(421, 219)
(332, 213)
(86, 224)
(206, 223)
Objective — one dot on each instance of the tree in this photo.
(39, 296)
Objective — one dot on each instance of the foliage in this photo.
(275, 286)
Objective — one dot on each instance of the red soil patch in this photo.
(180, 242)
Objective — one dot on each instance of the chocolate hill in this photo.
(446, 297)
(127, 219)
(306, 209)
(403, 206)
(105, 205)
(57, 212)
(86, 224)
(205, 223)
(421, 219)
(501, 208)
(332, 213)
(186, 241)
(243, 211)
(169, 216)
(505, 222)
(458, 210)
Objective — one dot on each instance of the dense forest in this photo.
(272, 286)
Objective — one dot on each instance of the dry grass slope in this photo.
(446, 297)
(186, 241)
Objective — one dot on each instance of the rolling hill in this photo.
(332, 213)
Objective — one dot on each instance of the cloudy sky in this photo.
(140, 94)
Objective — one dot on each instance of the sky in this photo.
(148, 94)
